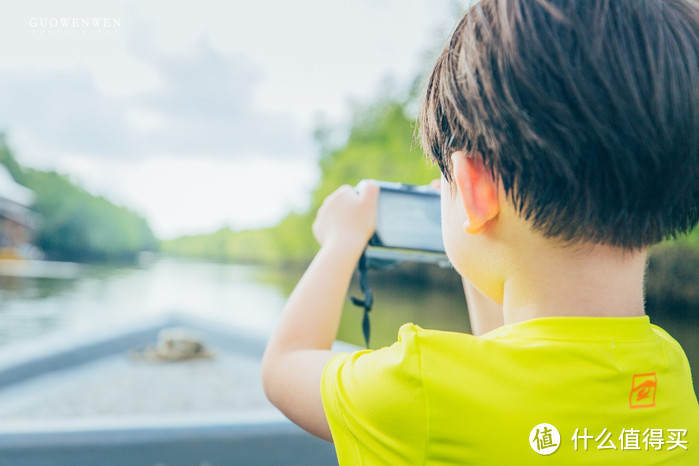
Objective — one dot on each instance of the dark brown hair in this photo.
(587, 112)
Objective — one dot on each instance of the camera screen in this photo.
(410, 221)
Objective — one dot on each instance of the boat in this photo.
(116, 395)
(27, 268)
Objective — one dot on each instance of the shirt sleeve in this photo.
(375, 404)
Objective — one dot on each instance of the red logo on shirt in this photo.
(643, 390)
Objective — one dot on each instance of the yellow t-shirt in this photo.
(617, 388)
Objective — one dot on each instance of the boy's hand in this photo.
(348, 216)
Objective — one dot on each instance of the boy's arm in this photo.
(484, 313)
(300, 345)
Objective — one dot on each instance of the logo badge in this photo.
(643, 390)
(544, 439)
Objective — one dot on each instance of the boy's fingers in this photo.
(436, 184)
(368, 190)
(343, 189)
(339, 192)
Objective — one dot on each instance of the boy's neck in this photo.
(597, 282)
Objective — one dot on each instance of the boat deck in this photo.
(85, 400)
(119, 388)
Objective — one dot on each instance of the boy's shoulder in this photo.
(567, 352)
(554, 329)
(552, 351)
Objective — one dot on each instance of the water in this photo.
(32, 307)
(248, 297)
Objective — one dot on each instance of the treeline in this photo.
(672, 283)
(381, 145)
(75, 225)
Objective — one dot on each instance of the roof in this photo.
(11, 190)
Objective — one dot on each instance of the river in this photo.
(246, 296)
(250, 297)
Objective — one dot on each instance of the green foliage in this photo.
(77, 225)
(287, 242)
(692, 239)
(379, 146)
(223, 245)
(673, 274)
(672, 277)
(8, 160)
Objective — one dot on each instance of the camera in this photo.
(408, 229)
(408, 226)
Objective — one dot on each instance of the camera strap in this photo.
(368, 300)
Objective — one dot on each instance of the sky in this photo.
(199, 115)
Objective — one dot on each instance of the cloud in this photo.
(63, 112)
(203, 106)
(207, 104)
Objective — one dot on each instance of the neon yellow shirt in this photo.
(444, 398)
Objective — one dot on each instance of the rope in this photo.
(368, 300)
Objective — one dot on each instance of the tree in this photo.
(75, 224)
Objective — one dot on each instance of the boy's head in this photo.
(586, 113)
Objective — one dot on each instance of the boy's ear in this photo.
(477, 189)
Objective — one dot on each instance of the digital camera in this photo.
(408, 225)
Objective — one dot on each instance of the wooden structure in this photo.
(18, 224)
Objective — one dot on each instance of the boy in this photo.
(567, 133)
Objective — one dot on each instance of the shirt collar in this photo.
(578, 328)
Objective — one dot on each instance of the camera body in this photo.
(408, 226)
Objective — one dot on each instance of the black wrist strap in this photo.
(368, 300)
